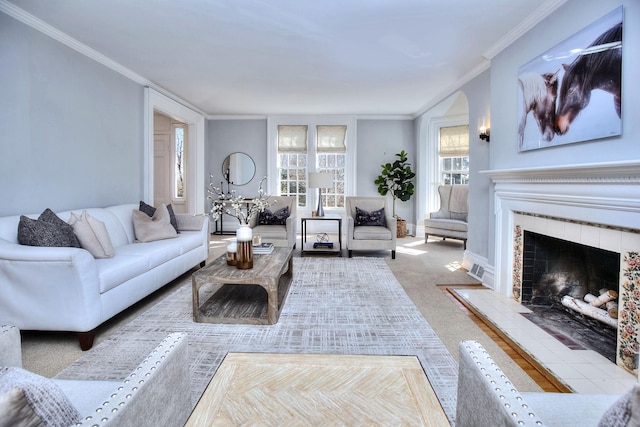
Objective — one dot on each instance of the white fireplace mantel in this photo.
(587, 173)
(605, 193)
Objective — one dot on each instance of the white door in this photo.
(169, 166)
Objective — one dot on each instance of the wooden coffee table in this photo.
(253, 296)
(318, 389)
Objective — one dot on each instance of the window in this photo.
(292, 162)
(178, 173)
(330, 158)
(454, 155)
(312, 145)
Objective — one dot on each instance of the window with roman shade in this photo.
(292, 161)
(454, 154)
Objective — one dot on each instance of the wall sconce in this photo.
(484, 132)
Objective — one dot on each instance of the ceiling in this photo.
(268, 57)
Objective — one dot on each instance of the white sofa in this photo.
(155, 393)
(67, 289)
(486, 397)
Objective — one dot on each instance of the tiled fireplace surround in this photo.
(595, 205)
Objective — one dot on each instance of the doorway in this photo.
(170, 168)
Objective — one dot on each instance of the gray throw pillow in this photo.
(375, 218)
(278, 217)
(624, 412)
(27, 399)
(48, 230)
(150, 210)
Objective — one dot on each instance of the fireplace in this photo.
(597, 206)
(572, 291)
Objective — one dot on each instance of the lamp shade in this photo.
(320, 180)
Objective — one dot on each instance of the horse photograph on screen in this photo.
(572, 92)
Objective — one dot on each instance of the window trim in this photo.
(434, 153)
(312, 121)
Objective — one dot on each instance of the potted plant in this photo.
(396, 178)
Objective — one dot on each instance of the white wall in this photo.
(72, 130)
(378, 143)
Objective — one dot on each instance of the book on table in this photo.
(263, 248)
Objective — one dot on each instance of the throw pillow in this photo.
(625, 411)
(157, 227)
(93, 235)
(150, 210)
(375, 218)
(48, 230)
(27, 399)
(278, 217)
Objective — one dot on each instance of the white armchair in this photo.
(451, 219)
(155, 393)
(281, 235)
(370, 237)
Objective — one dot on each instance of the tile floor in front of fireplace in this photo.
(583, 371)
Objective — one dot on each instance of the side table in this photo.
(307, 248)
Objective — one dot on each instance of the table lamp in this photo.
(320, 180)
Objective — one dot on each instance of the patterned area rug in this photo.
(334, 306)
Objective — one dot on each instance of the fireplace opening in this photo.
(571, 290)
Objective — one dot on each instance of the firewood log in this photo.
(589, 310)
(612, 309)
(604, 298)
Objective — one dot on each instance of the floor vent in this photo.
(477, 271)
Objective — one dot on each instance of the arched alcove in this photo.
(452, 111)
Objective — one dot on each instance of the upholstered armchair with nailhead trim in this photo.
(156, 393)
(486, 397)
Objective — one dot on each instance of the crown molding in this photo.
(41, 26)
(546, 9)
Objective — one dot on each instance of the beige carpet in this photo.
(418, 267)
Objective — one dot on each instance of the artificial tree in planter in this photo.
(396, 178)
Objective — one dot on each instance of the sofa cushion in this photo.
(48, 230)
(150, 210)
(368, 232)
(445, 224)
(27, 399)
(92, 234)
(374, 218)
(278, 217)
(124, 266)
(625, 411)
(157, 227)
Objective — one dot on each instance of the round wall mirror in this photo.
(238, 168)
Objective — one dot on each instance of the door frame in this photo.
(195, 122)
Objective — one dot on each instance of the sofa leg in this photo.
(86, 339)
(393, 254)
(464, 244)
(350, 253)
(202, 264)
(426, 238)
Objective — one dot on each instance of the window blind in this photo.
(331, 138)
(454, 141)
(292, 138)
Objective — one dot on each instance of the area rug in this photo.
(334, 306)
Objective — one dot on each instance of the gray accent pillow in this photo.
(624, 412)
(375, 218)
(27, 399)
(150, 229)
(48, 230)
(150, 210)
(278, 217)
